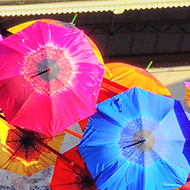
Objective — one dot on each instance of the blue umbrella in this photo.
(137, 140)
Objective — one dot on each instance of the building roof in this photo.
(134, 36)
(33, 7)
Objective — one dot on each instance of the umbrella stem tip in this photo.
(144, 140)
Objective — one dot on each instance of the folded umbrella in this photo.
(137, 140)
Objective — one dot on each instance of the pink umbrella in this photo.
(49, 78)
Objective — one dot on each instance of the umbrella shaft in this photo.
(47, 70)
(142, 141)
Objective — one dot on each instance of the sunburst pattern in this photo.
(60, 72)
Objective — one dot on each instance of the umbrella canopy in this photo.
(53, 80)
(22, 26)
(21, 154)
(130, 76)
(137, 140)
(187, 92)
(74, 177)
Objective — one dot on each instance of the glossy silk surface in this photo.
(130, 76)
(21, 154)
(22, 26)
(49, 78)
(137, 140)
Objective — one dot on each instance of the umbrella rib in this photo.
(62, 184)
(12, 156)
(74, 183)
(16, 133)
(108, 86)
(45, 138)
(67, 130)
(21, 106)
(134, 150)
(43, 154)
(2, 117)
(59, 135)
(49, 137)
(13, 141)
(62, 158)
(165, 116)
(26, 156)
(11, 79)
(111, 119)
(79, 98)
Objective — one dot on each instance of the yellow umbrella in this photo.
(21, 154)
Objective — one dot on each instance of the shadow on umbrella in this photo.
(24, 155)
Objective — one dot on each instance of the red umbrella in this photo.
(74, 176)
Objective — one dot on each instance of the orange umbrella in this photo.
(130, 76)
(23, 155)
(122, 76)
